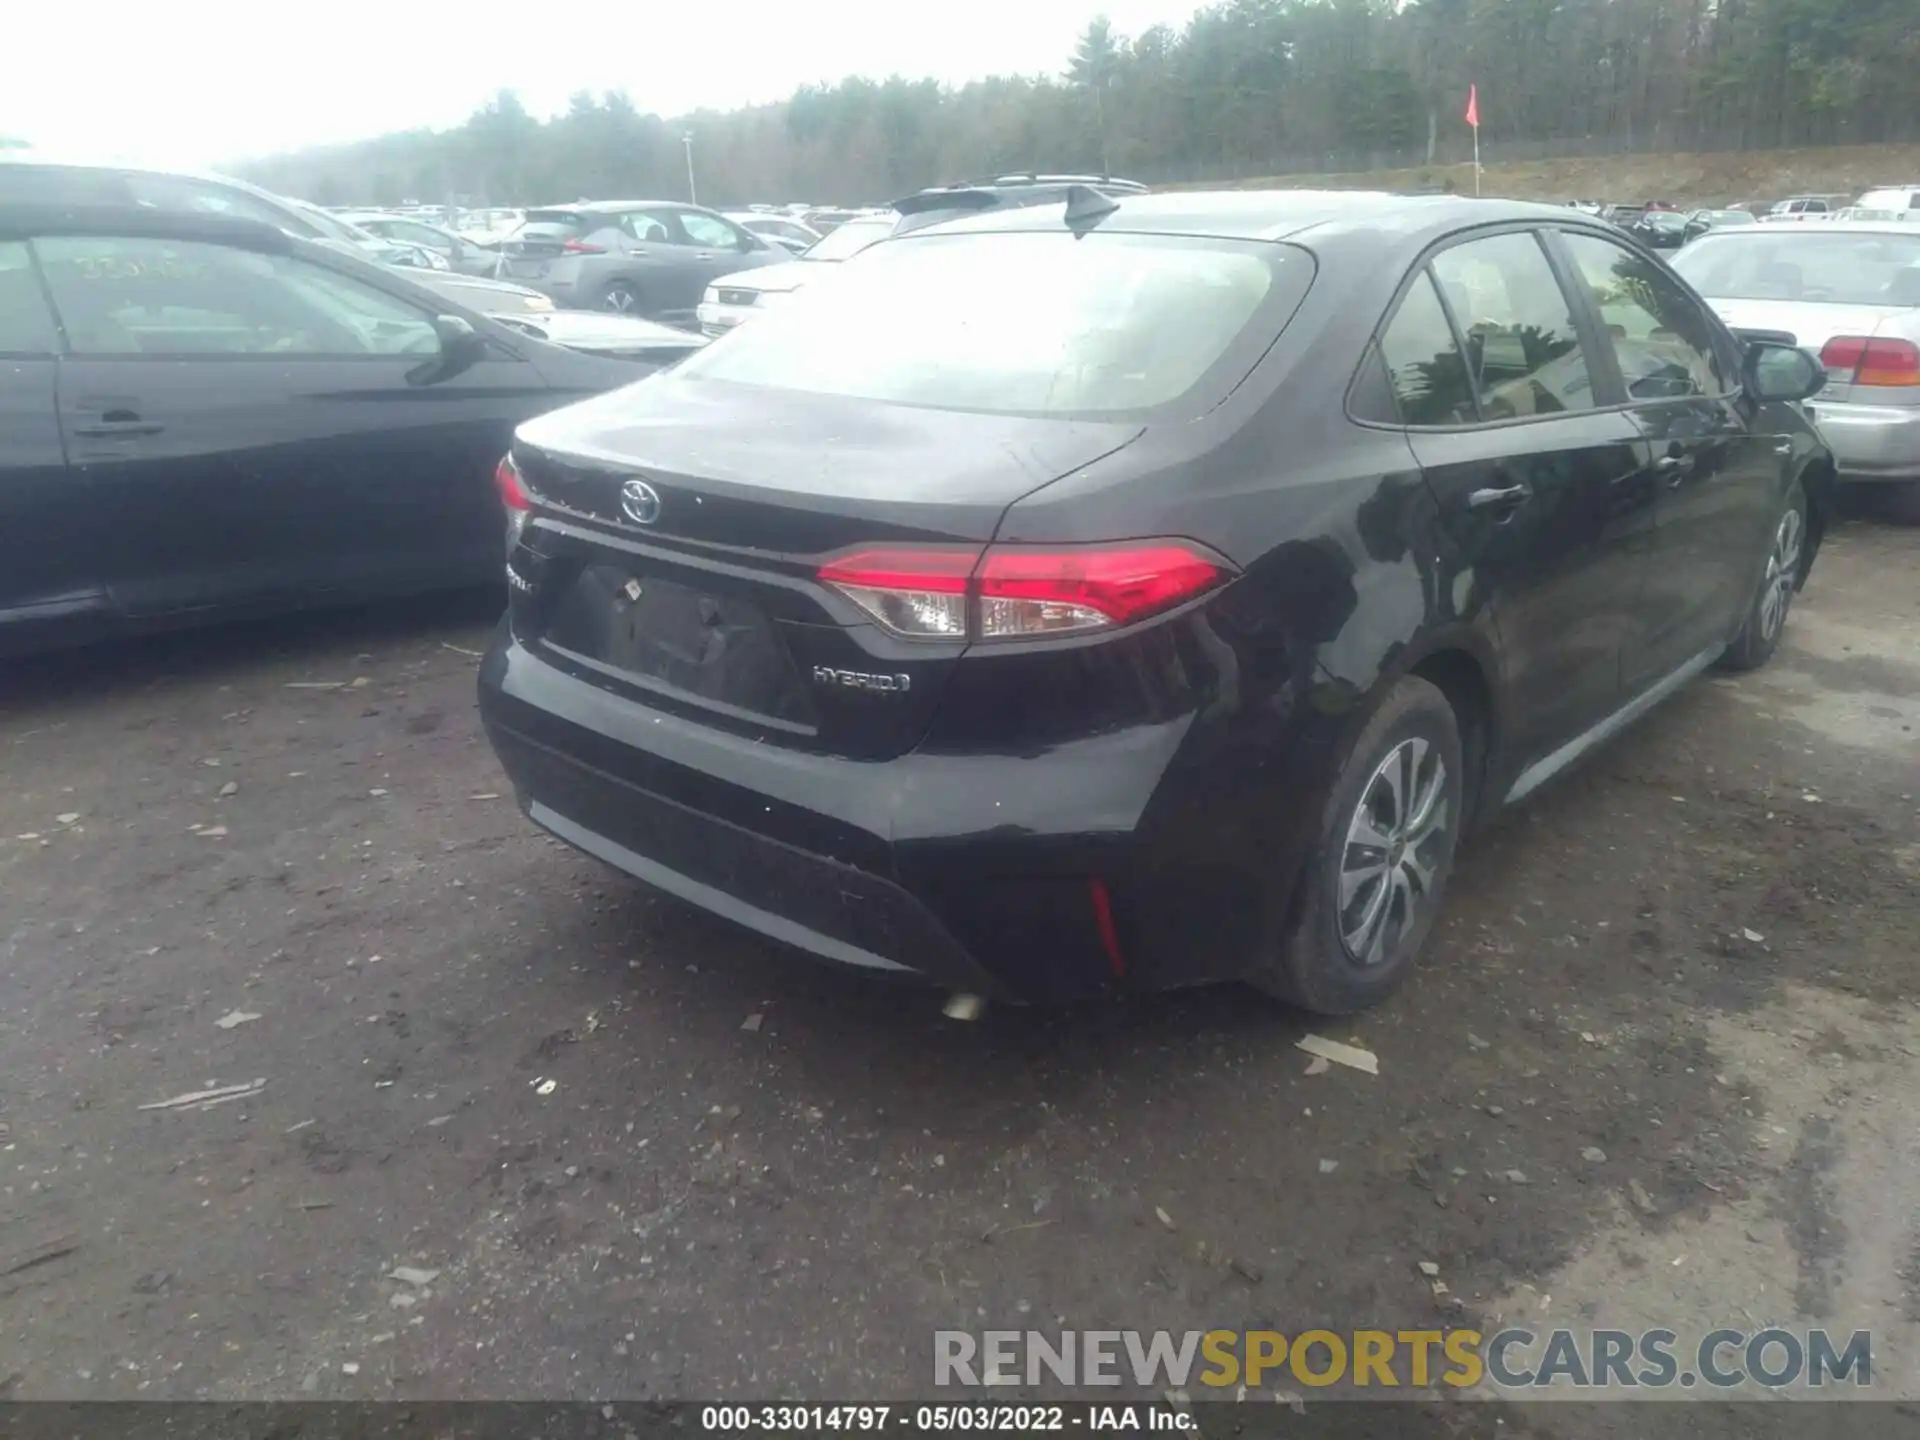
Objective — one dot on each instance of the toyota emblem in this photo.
(640, 502)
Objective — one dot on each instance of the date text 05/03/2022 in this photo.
(945, 1417)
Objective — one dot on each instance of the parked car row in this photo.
(1190, 565)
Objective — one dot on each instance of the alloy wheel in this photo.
(1783, 569)
(620, 299)
(1394, 847)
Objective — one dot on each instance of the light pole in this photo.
(693, 197)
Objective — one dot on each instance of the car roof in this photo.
(32, 218)
(1278, 214)
(1831, 227)
(619, 207)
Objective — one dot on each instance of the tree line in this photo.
(1246, 88)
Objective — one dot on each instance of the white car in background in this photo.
(781, 229)
(739, 296)
(1850, 292)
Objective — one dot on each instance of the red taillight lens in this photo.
(1022, 591)
(1863, 360)
(513, 491)
(581, 247)
(1045, 591)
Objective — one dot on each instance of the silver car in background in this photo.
(636, 257)
(784, 230)
(1850, 292)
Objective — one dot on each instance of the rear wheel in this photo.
(1767, 616)
(622, 297)
(1387, 839)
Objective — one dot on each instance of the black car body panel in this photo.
(1134, 808)
(145, 491)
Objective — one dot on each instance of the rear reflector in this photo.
(1022, 591)
(1864, 360)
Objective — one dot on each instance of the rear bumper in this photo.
(1871, 442)
(957, 870)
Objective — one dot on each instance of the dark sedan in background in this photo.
(1141, 592)
(200, 416)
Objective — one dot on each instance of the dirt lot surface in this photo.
(1659, 1068)
(1711, 178)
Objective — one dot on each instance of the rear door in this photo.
(49, 534)
(1542, 489)
(256, 426)
(1718, 483)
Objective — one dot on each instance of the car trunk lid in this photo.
(679, 529)
(1812, 324)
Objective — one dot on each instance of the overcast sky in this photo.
(197, 82)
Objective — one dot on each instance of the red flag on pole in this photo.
(1473, 106)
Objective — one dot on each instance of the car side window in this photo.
(708, 231)
(178, 193)
(646, 226)
(422, 235)
(1426, 371)
(1663, 341)
(26, 325)
(139, 296)
(1523, 350)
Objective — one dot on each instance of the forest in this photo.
(1246, 88)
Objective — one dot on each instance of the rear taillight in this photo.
(1016, 592)
(513, 498)
(1864, 360)
(513, 490)
(581, 247)
(919, 592)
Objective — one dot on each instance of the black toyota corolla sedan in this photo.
(1142, 592)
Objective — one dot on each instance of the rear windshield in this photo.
(1026, 322)
(551, 222)
(1804, 263)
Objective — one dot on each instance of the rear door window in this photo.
(1523, 351)
(651, 227)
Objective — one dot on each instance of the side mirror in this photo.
(461, 348)
(1782, 372)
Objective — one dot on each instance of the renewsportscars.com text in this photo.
(1510, 1360)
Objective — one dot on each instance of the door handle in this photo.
(115, 429)
(703, 254)
(1675, 467)
(1507, 498)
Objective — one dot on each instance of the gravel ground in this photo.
(1659, 1067)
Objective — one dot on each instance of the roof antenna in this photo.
(1087, 207)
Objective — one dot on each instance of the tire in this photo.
(1328, 962)
(622, 297)
(1766, 618)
